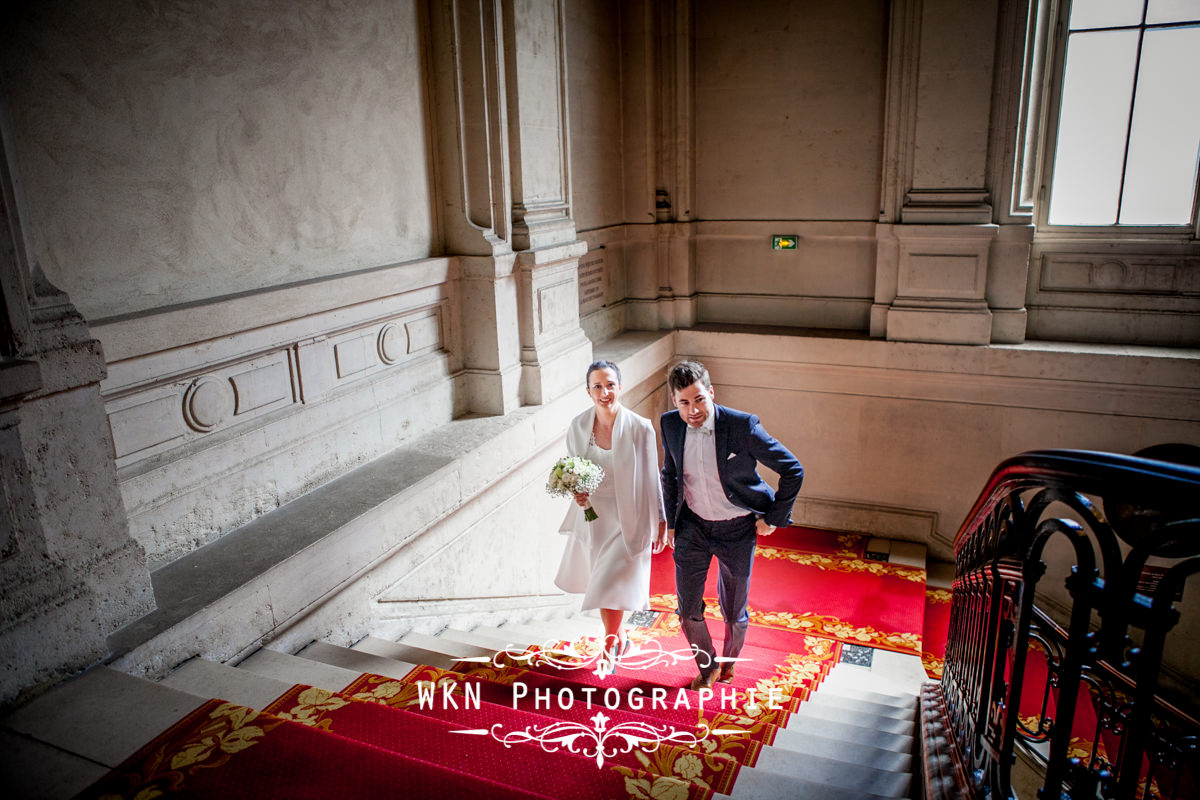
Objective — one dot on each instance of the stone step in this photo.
(829, 713)
(878, 680)
(480, 638)
(356, 660)
(561, 627)
(531, 636)
(104, 715)
(293, 670)
(851, 690)
(812, 741)
(32, 770)
(506, 635)
(757, 784)
(845, 731)
(854, 705)
(403, 652)
(447, 647)
(865, 778)
(210, 679)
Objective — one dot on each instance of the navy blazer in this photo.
(742, 444)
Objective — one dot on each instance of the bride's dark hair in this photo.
(595, 365)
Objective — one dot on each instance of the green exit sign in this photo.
(784, 242)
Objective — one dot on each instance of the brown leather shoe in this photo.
(726, 673)
(703, 681)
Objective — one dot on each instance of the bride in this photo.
(608, 560)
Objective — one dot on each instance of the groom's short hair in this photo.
(685, 373)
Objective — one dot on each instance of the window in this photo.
(1127, 150)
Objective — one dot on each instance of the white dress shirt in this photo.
(702, 489)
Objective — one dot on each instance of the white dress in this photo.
(596, 562)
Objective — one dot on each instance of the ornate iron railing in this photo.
(1069, 573)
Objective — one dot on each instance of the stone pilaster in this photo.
(70, 573)
(490, 333)
(554, 350)
(940, 283)
(501, 87)
(944, 272)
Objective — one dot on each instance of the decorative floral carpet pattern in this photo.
(818, 583)
(551, 721)
(224, 750)
(464, 732)
(936, 629)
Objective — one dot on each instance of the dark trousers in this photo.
(696, 542)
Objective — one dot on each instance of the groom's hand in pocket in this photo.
(762, 528)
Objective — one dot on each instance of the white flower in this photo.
(571, 475)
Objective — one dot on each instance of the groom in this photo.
(717, 505)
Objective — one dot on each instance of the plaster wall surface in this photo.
(177, 152)
(789, 109)
(826, 282)
(594, 87)
(603, 285)
(955, 94)
(902, 437)
(225, 411)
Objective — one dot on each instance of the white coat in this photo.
(636, 478)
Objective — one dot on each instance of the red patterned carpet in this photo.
(935, 631)
(545, 722)
(818, 582)
(540, 723)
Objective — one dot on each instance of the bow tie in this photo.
(701, 431)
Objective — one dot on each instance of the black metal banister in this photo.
(1085, 694)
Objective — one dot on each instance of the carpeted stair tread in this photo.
(498, 688)
(221, 749)
(862, 778)
(403, 652)
(293, 669)
(104, 715)
(423, 732)
(208, 679)
(718, 768)
(355, 660)
(562, 774)
(836, 593)
(628, 682)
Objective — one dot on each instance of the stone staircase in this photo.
(854, 738)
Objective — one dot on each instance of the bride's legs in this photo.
(614, 637)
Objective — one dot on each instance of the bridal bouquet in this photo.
(574, 474)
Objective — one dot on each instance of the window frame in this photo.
(1053, 61)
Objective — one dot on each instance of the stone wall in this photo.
(180, 151)
(898, 439)
(225, 410)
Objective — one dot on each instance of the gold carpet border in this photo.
(842, 564)
(810, 623)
